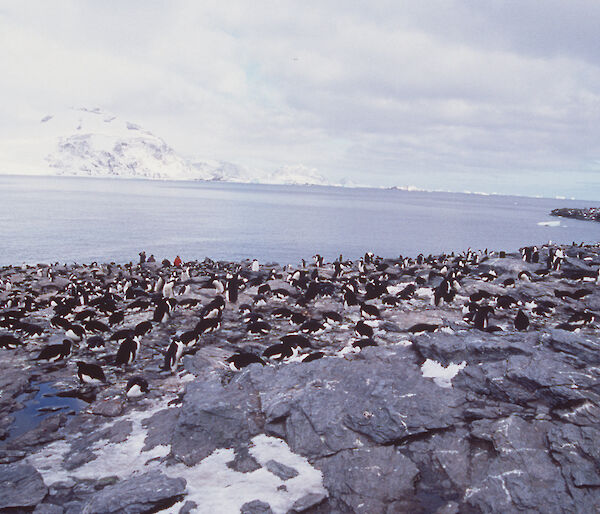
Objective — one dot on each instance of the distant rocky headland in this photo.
(591, 213)
(451, 383)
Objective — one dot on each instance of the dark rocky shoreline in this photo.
(589, 214)
(466, 418)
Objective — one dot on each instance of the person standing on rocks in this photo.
(142, 257)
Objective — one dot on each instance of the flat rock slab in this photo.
(21, 485)
(152, 490)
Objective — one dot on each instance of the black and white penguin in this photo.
(75, 332)
(363, 343)
(207, 325)
(127, 352)
(136, 387)
(312, 326)
(173, 355)
(96, 326)
(242, 359)
(162, 312)
(55, 352)
(255, 266)
(521, 321)
(280, 351)
(481, 319)
(95, 343)
(332, 317)
(421, 328)
(142, 328)
(214, 308)
(232, 288)
(258, 327)
(116, 317)
(295, 340)
(369, 311)
(363, 330)
(90, 373)
(121, 335)
(313, 356)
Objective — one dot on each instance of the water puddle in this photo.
(45, 402)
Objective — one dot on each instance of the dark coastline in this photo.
(588, 214)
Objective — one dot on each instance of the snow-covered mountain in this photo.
(92, 142)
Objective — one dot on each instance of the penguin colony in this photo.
(122, 324)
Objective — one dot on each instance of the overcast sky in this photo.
(496, 96)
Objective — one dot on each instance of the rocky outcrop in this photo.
(21, 486)
(591, 213)
(150, 492)
(465, 419)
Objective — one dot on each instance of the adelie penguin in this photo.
(55, 352)
(242, 359)
(173, 355)
(127, 352)
(521, 321)
(136, 387)
(90, 373)
(232, 288)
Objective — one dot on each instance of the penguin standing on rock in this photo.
(521, 321)
(173, 355)
(232, 288)
(90, 373)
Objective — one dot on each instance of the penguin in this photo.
(363, 330)
(232, 288)
(295, 340)
(363, 343)
(75, 332)
(312, 326)
(55, 352)
(242, 359)
(116, 317)
(255, 266)
(162, 312)
(95, 343)
(332, 316)
(280, 351)
(96, 326)
(142, 328)
(350, 298)
(207, 325)
(482, 315)
(127, 352)
(188, 338)
(282, 313)
(369, 311)
(421, 328)
(173, 355)
(214, 308)
(122, 335)
(136, 387)
(90, 373)
(258, 327)
(521, 321)
(313, 356)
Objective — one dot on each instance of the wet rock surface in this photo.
(474, 416)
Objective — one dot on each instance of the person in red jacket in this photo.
(177, 262)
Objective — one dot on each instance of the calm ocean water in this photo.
(48, 219)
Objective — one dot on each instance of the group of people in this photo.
(177, 262)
